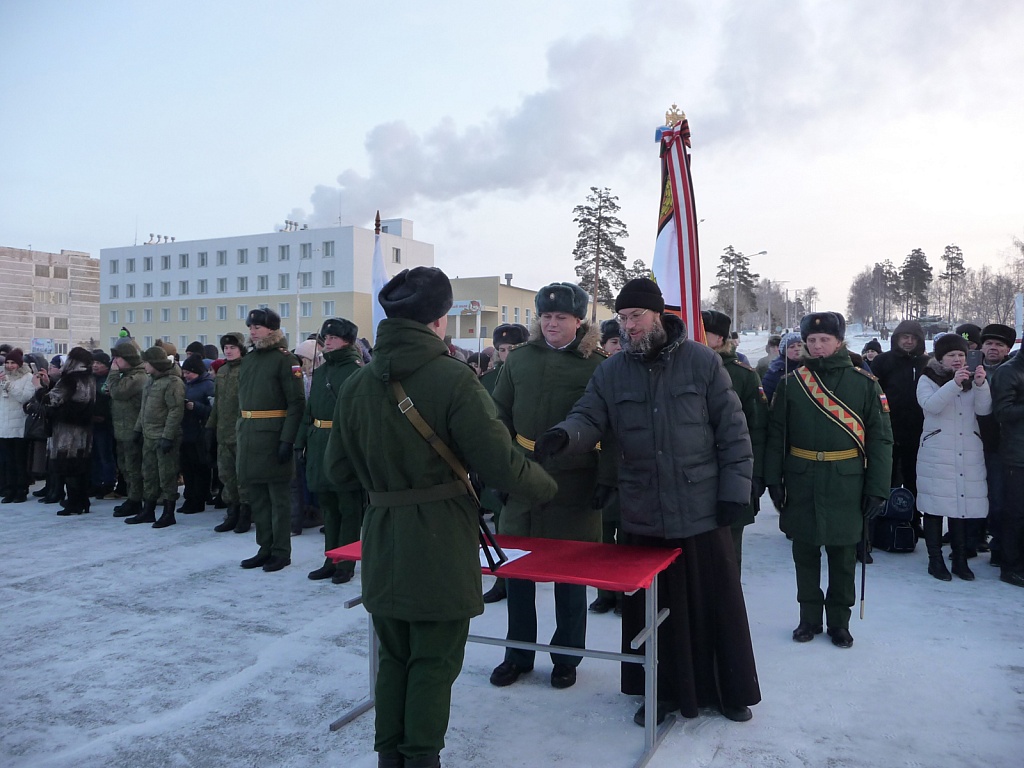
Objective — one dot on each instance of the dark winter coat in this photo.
(420, 560)
(200, 393)
(101, 416)
(747, 386)
(328, 379)
(270, 379)
(125, 388)
(1008, 407)
(683, 439)
(897, 372)
(224, 416)
(69, 407)
(781, 366)
(988, 426)
(824, 498)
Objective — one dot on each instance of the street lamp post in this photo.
(735, 291)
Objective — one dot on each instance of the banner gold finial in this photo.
(674, 115)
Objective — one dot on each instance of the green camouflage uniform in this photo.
(163, 406)
(125, 389)
(223, 419)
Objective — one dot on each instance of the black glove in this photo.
(873, 506)
(284, 452)
(300, 455)
(728, 512)
(602, 495)
(138, 439)
(210, 439)
(756, 488)
(778, 496)
(550, 443)
(165, 445)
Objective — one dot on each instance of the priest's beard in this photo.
(647, 345)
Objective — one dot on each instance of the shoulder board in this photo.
(600, 352)
(790, 374)
(741, 364)
(862, 372)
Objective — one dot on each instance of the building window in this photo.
(147, 263)
(201, 314)
(483, 332)
(283, 281)
(396, 255)
(113, 316)
(306, 309)
(147, 341)
(113, 291)
(183, 261)
(42, 322)
(284, 309)
(113, 266)
(527, 320)
(515, 314)
(243, 284)
(243, 255)
(60, 273)
(262, 254)
(263, 305)
(328, 309)
(130, 318)
(328, 249)
(165, 261)
(283, 252)
(328, 278)
(305, 279)
(183, 287)
(166, 338)
(129, 265)
(182, 341)
(147, 317)
(42, 270)
(222, 285)
(222, 258)
(201, 286)
(305, 250)
(504, 313)
(243, 311)
(183, 314)
(165, 288)
(263, 282)
(147, 290)
(129, 291)
(165, 315)
(201, 259)
(202, 339)
(222, 311)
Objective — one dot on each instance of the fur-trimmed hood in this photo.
(271, 340)
(588, 337)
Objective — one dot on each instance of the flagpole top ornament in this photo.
(674, 115)
(376, 224)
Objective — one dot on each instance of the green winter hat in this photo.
(157, 357)
(127, 351)
(562, 297)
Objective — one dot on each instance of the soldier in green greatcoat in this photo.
(537, 387)
(125, 384)
(270, 401)
(158, 429)
(827, 466)
(221, 430)
(420, 562)
(747, 385)
(340, 502)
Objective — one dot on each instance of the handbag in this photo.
(37, 426)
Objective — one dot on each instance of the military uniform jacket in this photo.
(824, 497)
(490, 378)
(125, 388)
(163, 405)
(270, 379)
(420, 560)
(536, 388)
(224, 415)
(323, 398)
(747, 386)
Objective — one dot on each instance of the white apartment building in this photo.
(198, 290)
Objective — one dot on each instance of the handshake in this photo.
(551, 443)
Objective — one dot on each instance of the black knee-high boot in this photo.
(933, 542)
(958, 541)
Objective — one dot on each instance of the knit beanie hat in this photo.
(949, 342)
(641, 292)
(873, 344)
(971, 332)
(16, 356)
(194, 365)
(101, 357)
(562, 297)
(423, 294)
(788, 339)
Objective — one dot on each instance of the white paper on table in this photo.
(511, 554)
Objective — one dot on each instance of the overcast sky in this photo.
(831, 134)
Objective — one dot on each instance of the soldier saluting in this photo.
(827, 465)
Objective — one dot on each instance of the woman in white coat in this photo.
(951, 460)
(15, 390)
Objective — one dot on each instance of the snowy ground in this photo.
(128, 646)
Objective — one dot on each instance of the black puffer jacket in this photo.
(898, 372)
(1008, 407)
(682, 435)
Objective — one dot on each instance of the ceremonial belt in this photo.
(413, 496)
(834, 409)
(321, 424)
(530, 445)
(800, 453)
(264, 414)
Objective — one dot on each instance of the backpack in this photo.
(892, 529)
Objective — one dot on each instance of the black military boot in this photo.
(958, 541)
(167, 517)
(428, 761)
(325, 571)
(128, 508)
(933, 542)
(230, 520)
(244, 524)
(390, 760)
(147, 515)
(496, 593)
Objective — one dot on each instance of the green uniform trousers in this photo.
(232, 492)
(419, 662)
(842, 582)
(343, 520)
(271, 511)
(160, 471)
(129, 461)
